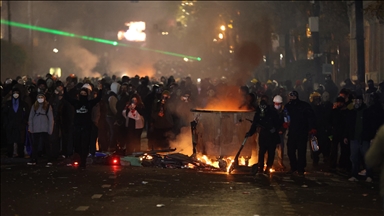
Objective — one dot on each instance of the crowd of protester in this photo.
(53, 118)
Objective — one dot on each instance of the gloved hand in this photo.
(285, 125)
(247, 135)
(313, 132)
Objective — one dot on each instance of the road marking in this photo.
(106, 186)
(97, 196)
(82, 208)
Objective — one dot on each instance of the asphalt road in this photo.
(121, 190)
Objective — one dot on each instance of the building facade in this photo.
(373, 46)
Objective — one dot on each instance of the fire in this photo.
(228, 161)
(206, 160)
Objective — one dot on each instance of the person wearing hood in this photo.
(267, 122)
(63, 119)
(41, 123)
(302, 123)
(111, 114)
(83, 121)
(354, 137)
(331, 88)
(15, 119)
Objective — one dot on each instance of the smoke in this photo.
(183, 142)
(131, 62)
(84, 60)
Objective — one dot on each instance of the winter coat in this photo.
(162, 122)
(302, 117)
(41, 120)
(137, 115)
(338, 122)
(83, 110)
(269, 124)
(15, 123)
(353, 121)
(373, 118)
(375, 155)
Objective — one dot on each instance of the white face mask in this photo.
(40, 100)
(277, 107)
(16, 96)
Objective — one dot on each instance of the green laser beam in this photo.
(99, 40)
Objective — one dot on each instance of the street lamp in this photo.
(55, 50)
(221, 36)
(222, 28)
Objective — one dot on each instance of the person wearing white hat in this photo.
(278, 105)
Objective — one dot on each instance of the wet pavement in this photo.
(125, 190)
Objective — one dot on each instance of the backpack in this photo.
(46, 112)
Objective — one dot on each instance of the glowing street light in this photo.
(222, 28)
(55, 50)
(221, 36)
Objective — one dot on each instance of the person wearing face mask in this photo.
(321, 126)
(83, 121)
(42, 89)
(162, 123)
(354, 136)
(302, 123)
(14, 119)
(267, 122)
(337, 125)
(278, 105)
(134, 124)
(41, 124)
(63, 120)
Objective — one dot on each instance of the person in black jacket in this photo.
(354, 135)
(372, 119)
(302, 122)
(337, 126)
(321, 113)
(15, 121)
(267, 122)
(63, 117)
(83, 121)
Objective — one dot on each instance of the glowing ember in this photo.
(229, 165)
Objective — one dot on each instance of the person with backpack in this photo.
(41, 126)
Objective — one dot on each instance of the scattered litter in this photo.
(133, 161)
(82, 208)
(160, 205)
(231, 188)
(106, 186)
(74, 187)
(96, 196)
(144, 182)
(365, 195)
(304, 186)
(131, 183)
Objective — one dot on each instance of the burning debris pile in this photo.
(168, 159)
